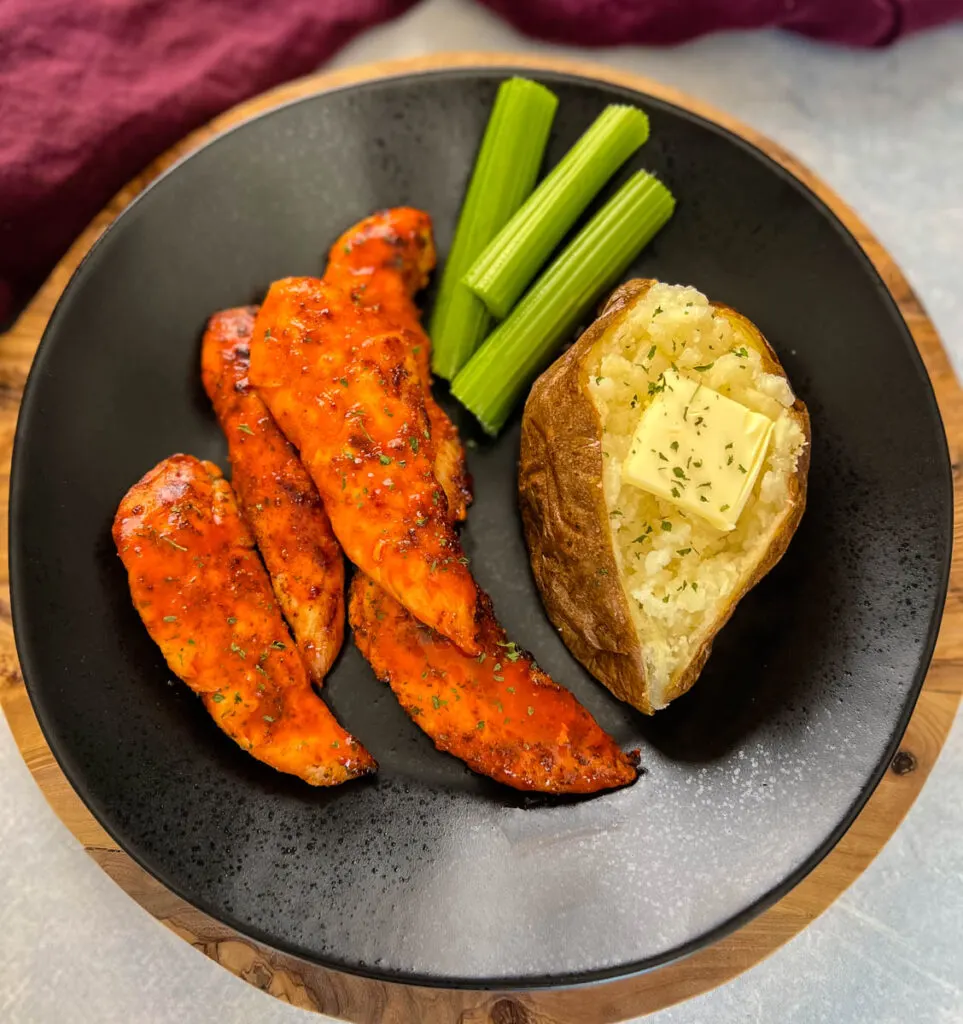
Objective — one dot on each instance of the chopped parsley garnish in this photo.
(217, 698)
(704, 367)
(245, 428)
(666, 526)
(170, 618)
(238, 651)
(512, 650)
(278, 645)
(385, 460)
(674, 446)
(358, 414)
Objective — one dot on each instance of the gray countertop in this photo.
(885, 129)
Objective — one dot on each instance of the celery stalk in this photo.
(504, 175)
(513, 258)
(523, 344)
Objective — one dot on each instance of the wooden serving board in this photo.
(370, 1002)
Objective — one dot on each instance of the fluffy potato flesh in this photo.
(680, 575)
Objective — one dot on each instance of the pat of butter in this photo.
(698, 449)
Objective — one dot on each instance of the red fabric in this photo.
(617, 22)
(92, 90)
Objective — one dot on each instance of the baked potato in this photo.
(638, 584)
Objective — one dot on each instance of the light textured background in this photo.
(885, 129)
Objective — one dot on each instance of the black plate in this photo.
(430, 873)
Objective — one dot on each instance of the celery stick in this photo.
(523, 345)
(504, 175)
(513, 258)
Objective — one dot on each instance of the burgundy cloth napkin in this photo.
(92, 90)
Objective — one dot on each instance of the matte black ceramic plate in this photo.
(430, 872)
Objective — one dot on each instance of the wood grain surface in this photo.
(367, 1002)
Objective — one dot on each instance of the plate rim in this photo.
(791, 171)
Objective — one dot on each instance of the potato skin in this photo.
(566, 521)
